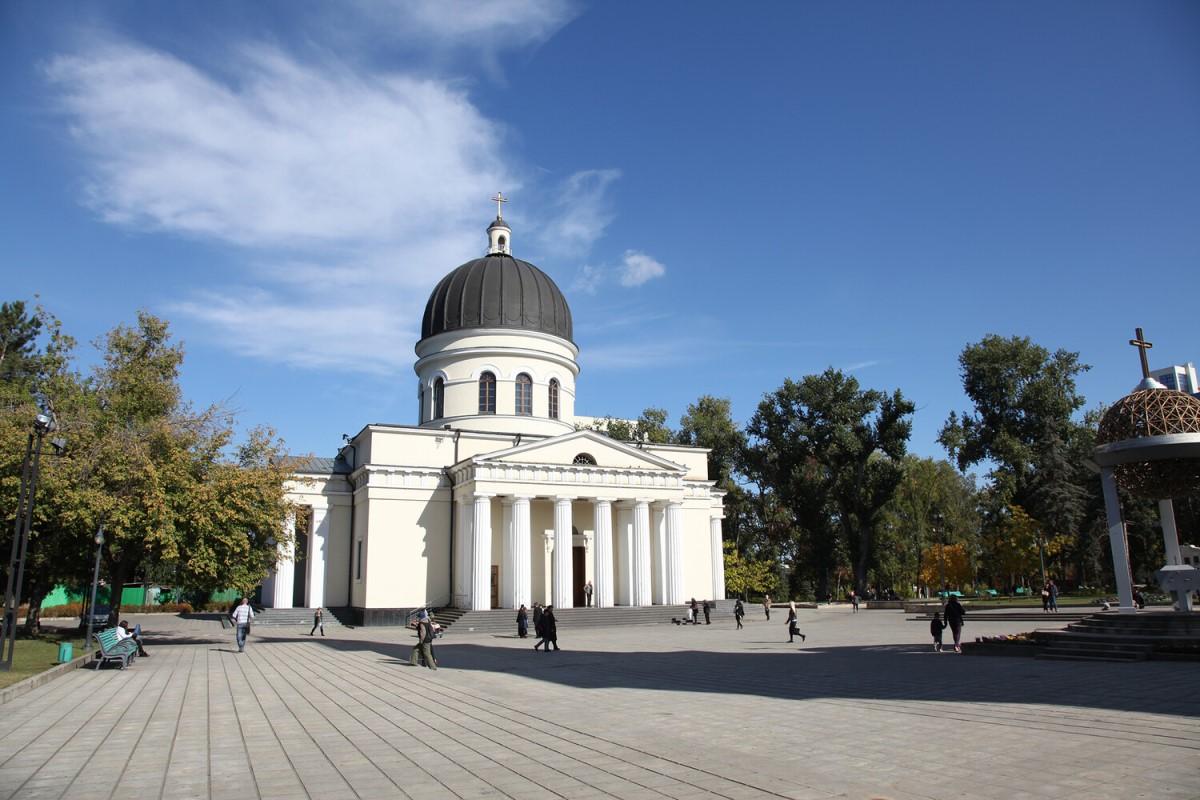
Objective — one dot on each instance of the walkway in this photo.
(863, 710)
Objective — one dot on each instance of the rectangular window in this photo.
(524, 396)
(358, 568)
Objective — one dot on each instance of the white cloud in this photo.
(588, 280)
(291, 155)
(637, 268)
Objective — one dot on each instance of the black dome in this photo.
(497, 291)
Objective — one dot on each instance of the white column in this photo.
(285, 568)
(318, 553)
(641, 553)
(675, 553)
(1166, 513)
(1116, 540)
(602, 508)
(562, 582)
(624, 560)
(508, 592)
(481, 554)
(718, 558)
(518, 554)
(658, 554)
(462, 553)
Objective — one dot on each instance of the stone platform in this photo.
(864, 709)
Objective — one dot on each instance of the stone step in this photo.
(505, 620)
(298, 617)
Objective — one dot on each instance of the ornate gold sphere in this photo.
(1154, 412)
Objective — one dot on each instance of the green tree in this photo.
(19, 332)
(931, 490)
(168, 483)
(745, 575)
(832, 453)
(650, 426)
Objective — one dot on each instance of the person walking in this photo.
(539, 626)
(1053, 597)
(767, 607)
(955, 614)
(854, 600)
(707, 621)
(241, 617)
(936, 626)
(738, 612)
(793, 631)
(550, 628)
(693, 617)
(318, 622)
(522, 622)
(1045, 598)
(423, 649)
(587, 594)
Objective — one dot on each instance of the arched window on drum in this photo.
(487, 393)
(524, 395)
(439, 398)
(554, 398)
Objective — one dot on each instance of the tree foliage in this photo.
(168, 483)
(831, 453)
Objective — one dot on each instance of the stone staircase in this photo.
(504, 621)
(1153, 635)
(301, 617)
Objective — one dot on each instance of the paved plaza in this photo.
(864, 709)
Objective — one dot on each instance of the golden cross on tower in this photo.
(1142, 345)
(498, 199)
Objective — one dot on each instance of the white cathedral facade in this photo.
(496, 498)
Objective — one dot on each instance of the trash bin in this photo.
(66, 652)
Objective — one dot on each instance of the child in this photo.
(936, 627)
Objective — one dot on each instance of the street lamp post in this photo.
(91, 612)
(940, 528)
(42, 425)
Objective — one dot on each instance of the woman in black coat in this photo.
(954, 618)
(522, 622)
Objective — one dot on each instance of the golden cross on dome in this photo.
(498, 199)
(1142, 345)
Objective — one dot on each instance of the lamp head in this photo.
(43, 423)
(100, 536)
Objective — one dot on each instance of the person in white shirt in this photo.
(124, 632)
(241, 617)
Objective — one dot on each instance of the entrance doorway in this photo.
(300, 563)
(578, 574)
(495, 586)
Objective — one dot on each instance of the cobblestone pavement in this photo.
(863, 709)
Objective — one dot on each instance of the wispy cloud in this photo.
(642, 354)
(858, 365)
(580, 211)
(635, 269)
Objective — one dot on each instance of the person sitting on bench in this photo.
(123, 632)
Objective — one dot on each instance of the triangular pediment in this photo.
(565, 449)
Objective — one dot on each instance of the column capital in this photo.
(482, 495)
(609, 500)
(559, 498)
(643, 501)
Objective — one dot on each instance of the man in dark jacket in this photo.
(549, 628)
(954, 618)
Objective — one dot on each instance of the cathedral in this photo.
(499, 496)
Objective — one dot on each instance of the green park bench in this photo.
(114, 649)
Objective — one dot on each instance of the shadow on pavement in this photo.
(892, 672)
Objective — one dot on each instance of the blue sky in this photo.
(728, 195)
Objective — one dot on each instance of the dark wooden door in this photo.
(495, 586)
(578, 574)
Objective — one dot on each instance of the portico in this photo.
(627, 521)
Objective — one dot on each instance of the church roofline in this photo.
(594, 436)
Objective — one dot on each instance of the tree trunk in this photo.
(33, 616)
